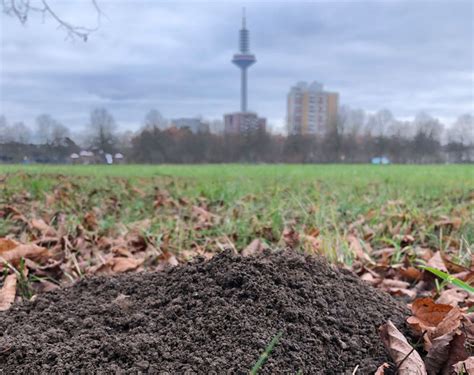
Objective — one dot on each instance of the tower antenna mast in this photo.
(244, 59)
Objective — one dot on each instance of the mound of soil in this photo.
(204, 317)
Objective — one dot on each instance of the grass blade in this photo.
(450, 279)
(263, 357)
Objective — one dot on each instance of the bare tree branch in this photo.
(21, 9)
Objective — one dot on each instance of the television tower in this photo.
(243, 59)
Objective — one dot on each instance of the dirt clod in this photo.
(216, 315)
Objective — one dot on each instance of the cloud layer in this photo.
(175, 56)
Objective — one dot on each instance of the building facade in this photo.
(244, 123)
(195, 124)
(311, 110)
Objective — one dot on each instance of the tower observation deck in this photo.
(243, 59)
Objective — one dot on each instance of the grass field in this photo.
(312, 207)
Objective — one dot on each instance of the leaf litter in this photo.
(75, 231)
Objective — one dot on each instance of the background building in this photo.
(195, 124)
(311, 110)
(243, 122)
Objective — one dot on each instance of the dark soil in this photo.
(202, 317)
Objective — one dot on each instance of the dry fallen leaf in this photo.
(44, 228)
(290, 237)
(357, 249)
(439, 352)
(381, 369)
(7, 244)
(437, 262)
(452, 297)
(7, 293)
(30, 251)
(117, 265)
(450, 323)
(457, 353)
(402, 353)
(255, 247)
(465, 367)
(90, 221)
(427, 314)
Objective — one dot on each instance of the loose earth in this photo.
(203, 317)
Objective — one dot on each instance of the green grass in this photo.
(257, 201)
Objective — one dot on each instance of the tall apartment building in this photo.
(311, 110)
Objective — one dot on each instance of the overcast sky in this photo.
(407, 56)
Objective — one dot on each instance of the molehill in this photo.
(205, 316)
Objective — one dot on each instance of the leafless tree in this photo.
(102, 127)
(49, 131)
(5, 131)
(21, 9)
(462, 131)
(154, 119)
(22, 133)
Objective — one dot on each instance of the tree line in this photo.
(358, 138)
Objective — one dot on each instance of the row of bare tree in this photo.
(358, 138)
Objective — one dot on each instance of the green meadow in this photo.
(431, 205)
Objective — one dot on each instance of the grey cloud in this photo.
(175, 56)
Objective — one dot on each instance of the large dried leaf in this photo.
(427, 314)
(402, 353)
(7, 293)
(452, 297)
(437, 262)
(439, 352)
(30, 251)
(457, 353)
(450, 323)
(7, 244)
(44, 228)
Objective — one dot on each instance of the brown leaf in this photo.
(30, 251)
(450, 323)
(405, 357)
(255, 247)
(169, 258)
(410, 273)
(465, 367)
(356, 247)
(381, 369)
(312, 243)
(457, 353)
(44, 228)
(451, 266)
(7, 244)
(450, 223)
(117, 265)
(290, 237)
(436, 261)
(7, 293)
(397, 287)
(438, 354)
(452, 297)
(90, 221)
(427, 314)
